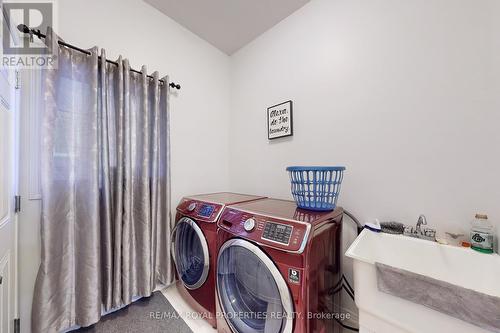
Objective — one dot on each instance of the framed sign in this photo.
(279, 120)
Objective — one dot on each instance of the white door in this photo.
(8, 235)
(8, 189)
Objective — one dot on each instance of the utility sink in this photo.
(383, 313)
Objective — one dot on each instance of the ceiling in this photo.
(228, 24)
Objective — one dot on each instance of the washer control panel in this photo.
(277, 232)
(199, 210)
(206, 210)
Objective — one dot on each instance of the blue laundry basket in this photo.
(316, 188)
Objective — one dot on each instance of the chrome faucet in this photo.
(419, 232)
(422, 220)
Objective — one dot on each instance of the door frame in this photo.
(28, 184)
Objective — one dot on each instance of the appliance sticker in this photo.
(293, 276)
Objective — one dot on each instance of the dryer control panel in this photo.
(277, 232)
(200, 210)
(281, 234)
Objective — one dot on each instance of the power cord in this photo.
(359, 226)
(343, 283)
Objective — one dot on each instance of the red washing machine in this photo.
(277, 268)
(194, 247)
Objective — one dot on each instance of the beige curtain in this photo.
(105, 174)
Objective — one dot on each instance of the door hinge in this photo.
(18, 79)
(17, 325)
(17, 204)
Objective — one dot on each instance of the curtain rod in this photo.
(25, 29)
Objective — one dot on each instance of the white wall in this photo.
(405, 94)
(199, 110)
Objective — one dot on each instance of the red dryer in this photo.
(194, 247)
(277, 268)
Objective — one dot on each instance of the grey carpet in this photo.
(153, 314)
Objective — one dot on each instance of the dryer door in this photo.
(252, 292)
(190, 252)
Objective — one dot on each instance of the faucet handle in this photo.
(429, 232)
(409, 230)
(422, 220)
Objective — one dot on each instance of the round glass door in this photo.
(190, 253)
(252, 292)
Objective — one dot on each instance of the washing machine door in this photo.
(252, 292)
(190, 253)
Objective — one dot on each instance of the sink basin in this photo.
(380, 312)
